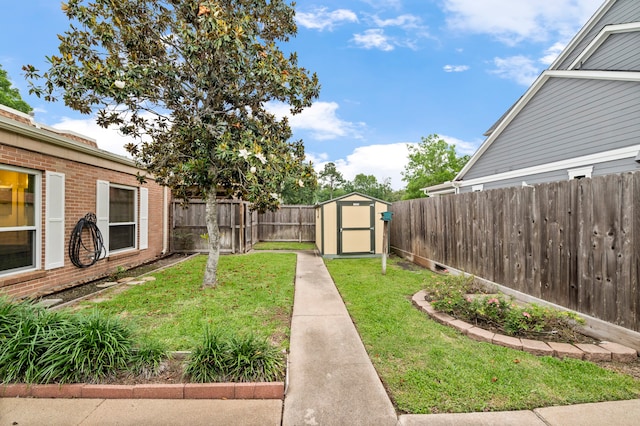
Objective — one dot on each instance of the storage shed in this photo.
(350, 226)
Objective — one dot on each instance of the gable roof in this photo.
(351, 195)
(591, 23)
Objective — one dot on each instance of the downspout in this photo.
(165, 220)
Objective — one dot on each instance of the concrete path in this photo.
(331, 378)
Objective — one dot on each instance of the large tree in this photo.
(330, 180)
(190, 79)
(431, 162)
(10, 96)
(369, 185)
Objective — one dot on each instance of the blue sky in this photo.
(392, 71)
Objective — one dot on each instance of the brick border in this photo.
(271, 390)
(604, 351)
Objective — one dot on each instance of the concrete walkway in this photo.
(331, 382)
(331, 378)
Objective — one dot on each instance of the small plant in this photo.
(118, 274)
(147, 358)
(235, 359)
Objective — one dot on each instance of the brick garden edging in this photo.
(271, 390)
(604, 351)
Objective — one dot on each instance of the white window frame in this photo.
(37, 227)
(477, 188)
(135, 222)
(580, 172)
(141, 215)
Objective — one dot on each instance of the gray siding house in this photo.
(580, 118)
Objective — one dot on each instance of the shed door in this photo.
(356, 230)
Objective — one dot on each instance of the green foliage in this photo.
(190, 81)
(194, 77)
(89, 348)
(221, 358)
(452, 295)
(431, 162)
(42, 346)
(330, 180)
(10, 96)
(146, 358)
(369, 185)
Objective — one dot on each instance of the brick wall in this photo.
(81, 175)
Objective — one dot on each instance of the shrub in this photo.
(24, 330)
(88, 348)
(146, 358)
(235, 359)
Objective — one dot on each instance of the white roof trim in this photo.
(584, 31)
(600, 39)
(535, 87)
(600, 157)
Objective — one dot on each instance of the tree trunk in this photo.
(211, 271)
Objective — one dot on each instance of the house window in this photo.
(477, 188)
(19, 219)
(580, 172)
(122, 218)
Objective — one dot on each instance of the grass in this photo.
(254, 296)
(283, 245)
(431, 368)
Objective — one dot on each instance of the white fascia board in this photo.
(600, 157)
(535, 87)
(583, 31)
(601, 38)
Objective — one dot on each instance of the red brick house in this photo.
(49, 180)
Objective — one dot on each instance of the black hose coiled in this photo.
(90, 247)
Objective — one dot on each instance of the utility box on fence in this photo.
(349, 226)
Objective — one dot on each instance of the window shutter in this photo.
(54, 221)
(102, 212)
(144, 218)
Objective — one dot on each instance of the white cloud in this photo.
(520, 20)
(384, 161)
(108, 139)
(321, 120)
(403, 21)
(455, 68)
(321, 19)
(374, 39)
(552, 53)
(462, 147)
(520, 69)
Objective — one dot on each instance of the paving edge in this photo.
(270, 390)
(604, 351)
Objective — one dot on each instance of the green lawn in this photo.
(431, 368)
(254, 295)
(283, 245)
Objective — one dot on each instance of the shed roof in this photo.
(350, 195)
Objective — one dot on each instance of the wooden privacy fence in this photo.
(289, 223)
(573, 243)
(238, 227)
